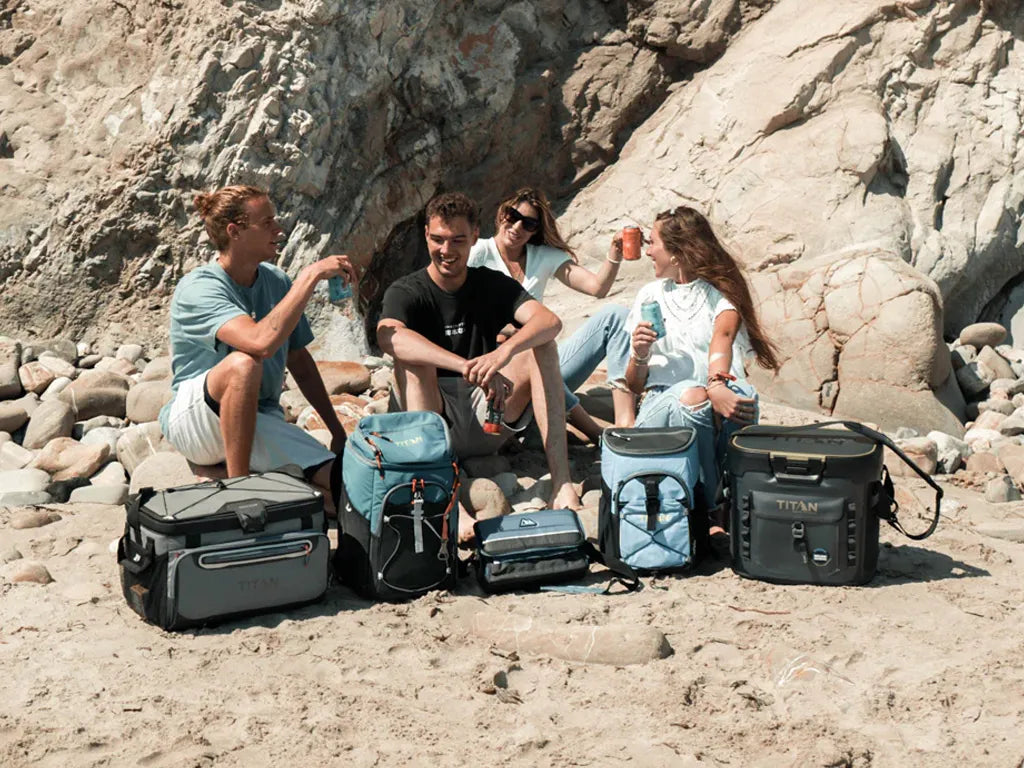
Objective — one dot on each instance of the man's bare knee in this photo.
(694, 396)
(238, 368)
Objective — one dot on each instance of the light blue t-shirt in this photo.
(204, 300)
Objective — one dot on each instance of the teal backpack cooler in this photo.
(652, 516)
(398, 517)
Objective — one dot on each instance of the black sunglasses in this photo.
(530, 224)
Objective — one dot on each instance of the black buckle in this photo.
(251, 514)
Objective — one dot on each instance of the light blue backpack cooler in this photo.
(652, 515)
(398, 517)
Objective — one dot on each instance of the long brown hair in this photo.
(688, 236)
(548, 233)
(223, 207)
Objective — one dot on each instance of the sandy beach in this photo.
(919, 668)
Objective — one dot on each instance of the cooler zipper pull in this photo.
(417, 516)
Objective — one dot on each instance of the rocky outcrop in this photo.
(806, 130)
(352, 113)
(861, 338)
(826, 127)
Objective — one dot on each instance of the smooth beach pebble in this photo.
(33, 518)
(29, 573)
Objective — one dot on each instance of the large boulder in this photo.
(65, 458)
(97, 393)
(344, 377)
(35, 377)
(139, 442)
(12, 415)
(145, 400)
(162, 470)
(860, 337)
(796, 150)
(51, 419)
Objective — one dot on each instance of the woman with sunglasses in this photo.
(693, 373)
(528, 247)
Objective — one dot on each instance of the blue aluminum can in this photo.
(338, 290)
(650, 311)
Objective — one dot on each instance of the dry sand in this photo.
(923, 667)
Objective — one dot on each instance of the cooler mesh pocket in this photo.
(654, 522)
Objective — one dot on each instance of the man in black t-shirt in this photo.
(441, 326)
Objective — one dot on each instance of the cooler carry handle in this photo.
(889, 515)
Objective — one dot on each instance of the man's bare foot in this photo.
(566, 498)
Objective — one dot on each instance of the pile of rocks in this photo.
(991, 454)
(79, 422)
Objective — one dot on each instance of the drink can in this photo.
(650, 311)
(631, 240)
(338, 290)
(492, 424)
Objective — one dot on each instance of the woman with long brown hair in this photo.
(693, 374)
(528, 247)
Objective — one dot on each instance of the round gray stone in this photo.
(145, 400)
(57, 386)
(157, 369)
(103, 436)
(12, 415)
(112, 474)
(100, 494)
(57, 366)
(1000, 490)
(129, 352)
(27, 480)
(162, 470)
(980, 334)
(24, 498)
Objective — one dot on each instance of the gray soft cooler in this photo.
(203, 553)
(530, 550)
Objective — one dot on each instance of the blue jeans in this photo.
(663, 409)
(602, 337)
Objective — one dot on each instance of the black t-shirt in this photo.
(466, 322)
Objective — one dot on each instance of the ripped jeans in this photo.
(602, 337)
(661, 408)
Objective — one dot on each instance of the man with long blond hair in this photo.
(237, 325)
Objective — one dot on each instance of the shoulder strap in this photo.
(887, 507)
(623, 574)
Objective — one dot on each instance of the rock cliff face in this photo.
(352, 113)
(805, 129)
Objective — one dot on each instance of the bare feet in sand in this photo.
(566, 498)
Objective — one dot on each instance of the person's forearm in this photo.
(311, 385)
(636, 376)
(538, 330)
(595, 284)
(605, 277)
(720, 353)
(274, 329)
(411, 348)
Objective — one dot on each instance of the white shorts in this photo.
(194, 430)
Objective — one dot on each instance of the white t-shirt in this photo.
(542, 261)
(689, 310)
